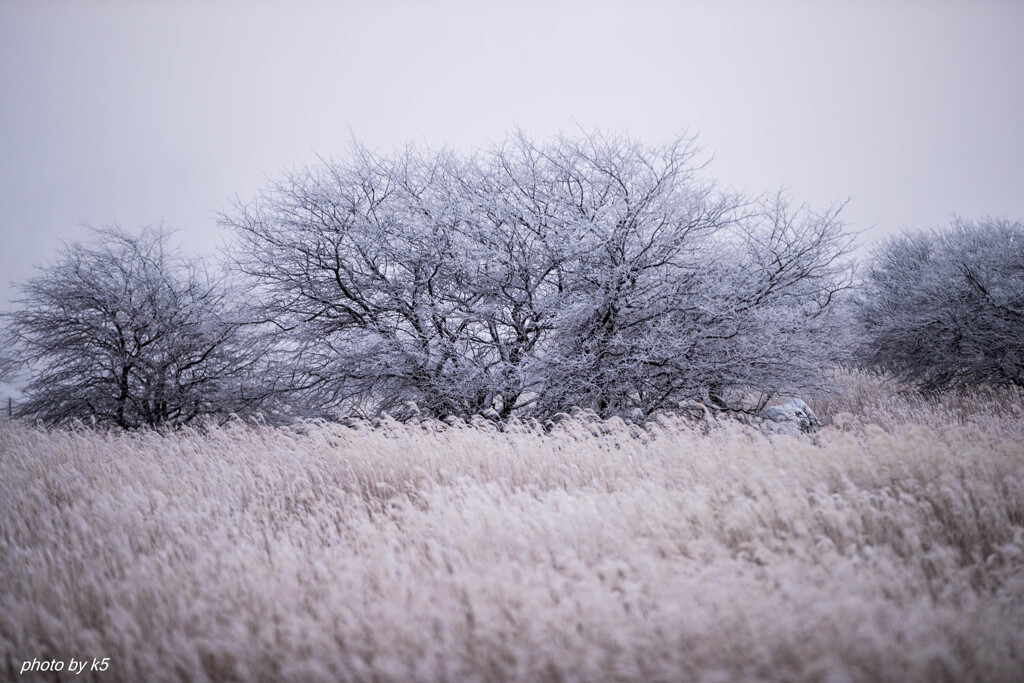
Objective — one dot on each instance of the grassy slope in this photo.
(888, 547)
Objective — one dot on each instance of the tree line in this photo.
(522, 280)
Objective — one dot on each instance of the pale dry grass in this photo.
(891, 552)
(866, 398)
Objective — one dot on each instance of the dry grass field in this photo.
(889, 546)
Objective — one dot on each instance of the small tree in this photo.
(945, 308)
(128, 332)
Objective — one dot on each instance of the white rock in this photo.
(793, 413)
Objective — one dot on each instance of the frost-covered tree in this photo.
(370, 271)
(127, 331)
(529, 277)
(945, 308)
(679, 292)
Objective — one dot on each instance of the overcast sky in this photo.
(166, 111)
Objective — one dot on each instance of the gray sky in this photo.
(150, 111)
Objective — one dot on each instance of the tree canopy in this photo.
(528, 278)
